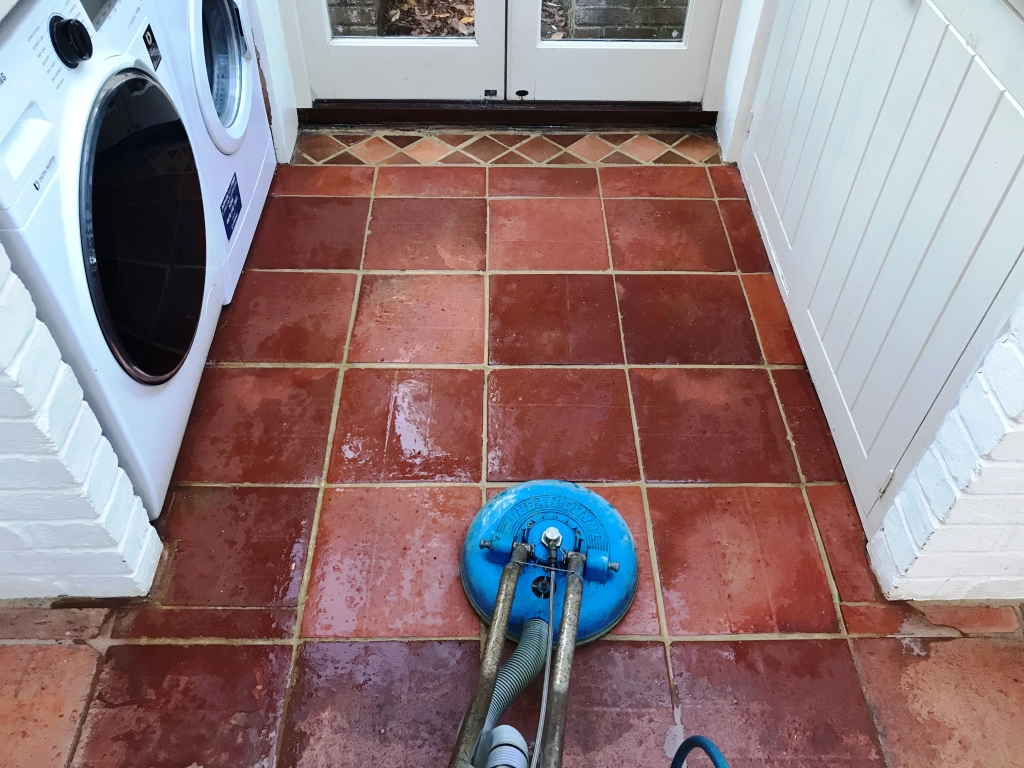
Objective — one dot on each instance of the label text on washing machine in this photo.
(44, 174)
(3, 79)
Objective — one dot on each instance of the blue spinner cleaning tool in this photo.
(587, 523)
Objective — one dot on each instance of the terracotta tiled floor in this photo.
(426, 318)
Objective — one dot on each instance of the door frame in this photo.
(308, 73)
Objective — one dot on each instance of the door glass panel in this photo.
(613, 19)
(402, 18)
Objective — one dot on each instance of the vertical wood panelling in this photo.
(885, 163)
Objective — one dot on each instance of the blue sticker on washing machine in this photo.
(231, 206)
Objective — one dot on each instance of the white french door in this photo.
(550, 50)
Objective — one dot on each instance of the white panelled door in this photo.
(552, 50)
(884, 161)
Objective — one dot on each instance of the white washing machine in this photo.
(102, 212)
(210, 44)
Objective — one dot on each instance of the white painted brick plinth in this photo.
(70, 522)
(956, 529)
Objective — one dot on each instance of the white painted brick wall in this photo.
(70, 522)
(956, 529)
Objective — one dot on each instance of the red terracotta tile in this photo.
(700, 149)
(403, 140)
(569, 424)
(667, 235)
(455, 139)
(344, 158)
(773, 325)
(318, 146)
(539, 149)
(655, 182)
(815, 447)
(372, 704)
(548, 234)
(946, 702)
(43, 690)
(686, 319)
(617, 158)
(711, 426)
(368, 538)
(543, 182)
(590, 148)
(564, 139)
(458, 158)
(350, 139)
(971, 619)
(739, 560)
(322, 180)
(929, 619)
(792, 703)
(484, 148)
(205, 623)
(727, 181)
(511, 158)
(845, 542)
(186, 705)
(419, 319)
(427, 234)
(643, 147)
(286, 317)
(554, 319)
(310, 233)
(509, 139)
(237, 546)
(298, 158)
(431, 182)
(373, 150)
(671, 158)
(427, 150)
(51, 623)
(620, 711)
(415, 424)
(399, 158)
(566, 159)
(258, 426)
(747, 244)
(615, 139)
(642, 616)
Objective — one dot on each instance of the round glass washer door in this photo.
(143, 227)
(222, 68)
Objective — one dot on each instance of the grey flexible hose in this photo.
(522, 666)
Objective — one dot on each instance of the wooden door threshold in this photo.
(488, 114)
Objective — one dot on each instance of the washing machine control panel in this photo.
(47, 49)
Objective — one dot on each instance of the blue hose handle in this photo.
(702, 743)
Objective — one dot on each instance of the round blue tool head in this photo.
(587, 523)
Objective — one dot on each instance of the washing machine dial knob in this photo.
(71, 41)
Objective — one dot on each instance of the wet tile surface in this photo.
(772, 320)
(814, 446)
(799, 701)
(237, 546)
(310, 233)
(686, 319)
(424, 233)
(547, 234)
(559, 423)
(258, 425)
(554, 319)
(390, 703)
(185, 705)
(43, 692)
(419, 319)
(711, 426)
(739, 560)
(387, 564)
(680, 235)
(408, 424)
(490, 319)
(946, 702)
(286, 317)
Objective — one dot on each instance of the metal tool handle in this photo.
(554, 722)
(476, 714)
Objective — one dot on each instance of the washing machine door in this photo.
(143, 227)
(223, 64)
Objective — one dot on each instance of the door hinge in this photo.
(888, 482)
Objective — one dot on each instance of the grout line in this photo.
(86, 706)
(487, 339)
(822, 554)
(307, 571)
(481, 366)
